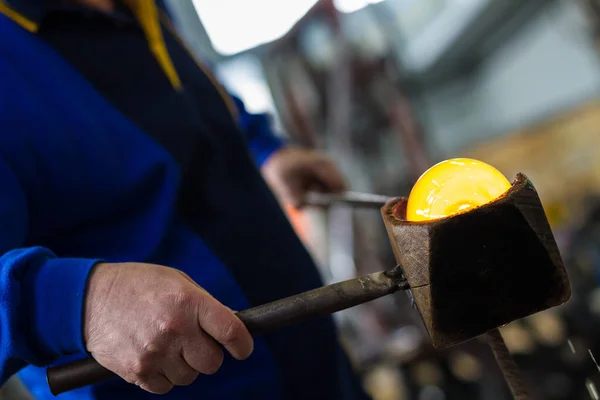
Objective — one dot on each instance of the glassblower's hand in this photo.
(292, 173)
(156, 328)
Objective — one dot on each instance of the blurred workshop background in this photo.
(390, 87)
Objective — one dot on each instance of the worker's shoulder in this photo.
(12, 44)
(22, 59)
(28, 93)
(35, 81)
(17, 108)
(25, 57)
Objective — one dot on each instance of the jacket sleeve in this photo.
(41, 296)
(262, 140)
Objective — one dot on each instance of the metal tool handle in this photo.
(262, 319)
(355, 199)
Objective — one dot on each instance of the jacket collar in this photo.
(29, 13)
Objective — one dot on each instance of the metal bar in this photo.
(322, 301)
(355, 199)
(266, 318)
(508, 366)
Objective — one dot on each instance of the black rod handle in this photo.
(262, 319)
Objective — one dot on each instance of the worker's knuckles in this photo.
(175, 313)
(233, 332)
(140, 370)
(210, 365)
(176, 330)
(186, 294)
(219, 322)
(224, 327)
(177, 371)
(237, 340)
(145, 365)
(168, 328)
(155, 385)
(204, 355)
(157, 343)
(183, 379)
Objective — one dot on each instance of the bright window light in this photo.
(237, 25)
(244, 77)
(349, 6)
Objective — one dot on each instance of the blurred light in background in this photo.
(442, 29)
(237, 25)
(243, 76)
(234, 26)
(317, 40)
(348, 6)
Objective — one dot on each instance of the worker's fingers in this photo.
(295, 196)
(222, 324)
(203, 354)
(292, 192)
(156, 383)
(178, 372)
(158, 328)
(328, 176)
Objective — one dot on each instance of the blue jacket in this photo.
(80, 182)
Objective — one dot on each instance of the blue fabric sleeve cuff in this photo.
(56, 287)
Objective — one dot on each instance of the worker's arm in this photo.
(289, 171)
(151, 325)
(40, 294)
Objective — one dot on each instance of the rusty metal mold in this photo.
(473, 272)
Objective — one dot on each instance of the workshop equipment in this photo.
(481, 269)
(468, 274)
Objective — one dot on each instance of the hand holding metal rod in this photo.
(265, 318)
(271, 316)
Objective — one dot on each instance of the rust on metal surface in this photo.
(322, 301)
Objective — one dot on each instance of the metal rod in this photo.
(266, 318)
(355, 199)
(508, 366)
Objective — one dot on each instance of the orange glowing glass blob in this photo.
(454, 186)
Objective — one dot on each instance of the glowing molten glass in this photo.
(454, 186)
